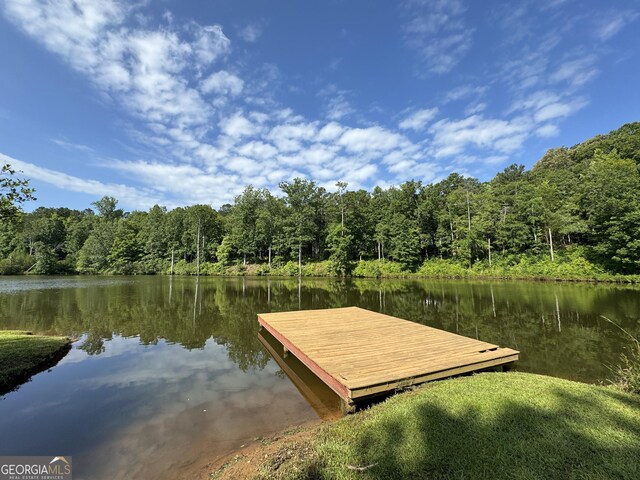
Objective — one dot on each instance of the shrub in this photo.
(16, 264)
(627, 373)
(379, 268)
(182, 267)
(318, 269)
(438, 267)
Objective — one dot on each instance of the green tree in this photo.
(107, 210)
(13, 192)
(404, 244)
(303, 204)
(339, 245)
(242, 222)
(612, 206)
(46, 259)
(92, 257)
(269, 222)
(125, 249)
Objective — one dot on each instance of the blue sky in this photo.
(183, 102)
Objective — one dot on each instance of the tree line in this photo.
(583, 199)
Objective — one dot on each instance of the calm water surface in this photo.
(169, 374)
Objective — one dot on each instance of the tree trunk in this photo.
(244, 259)
(171, 260)
(489, 242)
(299, 259)
(551, 245)
(468, 212)
(198, 251)
(269, 256)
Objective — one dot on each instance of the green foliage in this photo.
(288, 269)
(318, 269)
(224, 250)
(13, 192)
(16, 263)
(378, 269)
(212, 268)
(92, 258)
(45, 260)
(107, 210)
(339, 243)
(628, 373)
(612, 206)
(182, 267)
(125, 250)
(438, 267)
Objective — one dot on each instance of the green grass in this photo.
(23, 354)
(491, 425)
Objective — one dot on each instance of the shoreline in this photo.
(24, 355)
(562, 422)
(607, 280)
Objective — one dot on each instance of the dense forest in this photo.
(578, 207)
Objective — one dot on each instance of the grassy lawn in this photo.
(491, 425)
(23, 354)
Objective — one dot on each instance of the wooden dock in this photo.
(359, 353)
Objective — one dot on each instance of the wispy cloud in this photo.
(418, 119)
(437, 33)
(337, 105)
(129, 195)
(613, 22)
(251, 32)
(72, 146)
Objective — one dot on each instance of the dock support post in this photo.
(285, 352)
(347, 407)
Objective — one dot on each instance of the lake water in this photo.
(169, 373)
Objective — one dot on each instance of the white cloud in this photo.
(72, 146)
(418, 119)
(548, 130)
(210, 43)
(371, 139)
(438, 34)
(244, 166)
(339, 108)
(289, 137)
(452, 137)
(559, 110)
(464, 91)
(610, 24)
(257, 149)
(251, 32)
(222, 82)
(129, 196)
(330, 132)
(576, 72)
(237, 126)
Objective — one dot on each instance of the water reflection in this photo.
(322, 399)
(156, 352)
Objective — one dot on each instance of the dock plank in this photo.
(359, 353)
